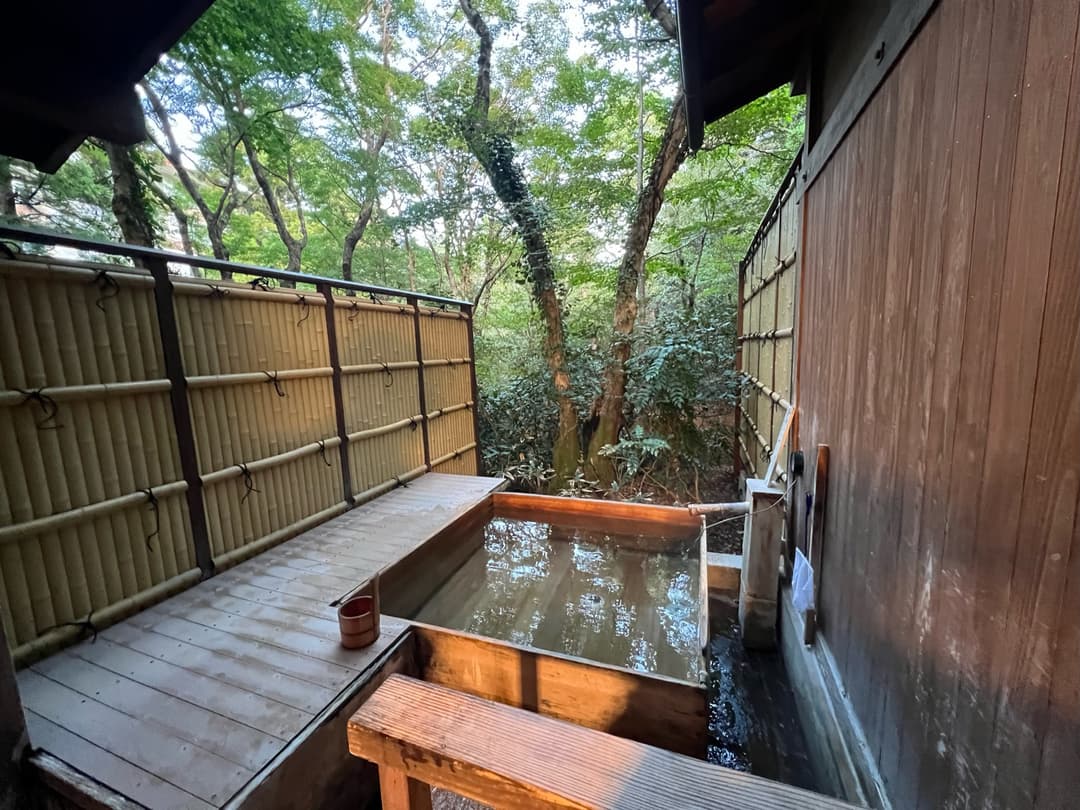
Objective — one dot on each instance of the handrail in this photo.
(40, 236)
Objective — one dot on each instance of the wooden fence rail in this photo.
(155, 428)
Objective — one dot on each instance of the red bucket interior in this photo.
(356, 607)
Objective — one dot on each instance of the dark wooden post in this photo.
(181, 410)
(13, 739)
(339, 399)
(469, 312)
(415, 304)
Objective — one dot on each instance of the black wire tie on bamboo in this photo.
(354, 311)
(302, 302)
(322, 452)
(249, 483)
(217, 291)
(49, 408)
(400, 483)
(260, 283)
(389, 375)
(151, 498)
(374, 298)
(107, 286)
(272, 377)
(412, 423)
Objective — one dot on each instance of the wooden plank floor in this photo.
(182, 704)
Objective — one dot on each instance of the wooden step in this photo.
(420, 734)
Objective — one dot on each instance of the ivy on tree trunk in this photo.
(496, 155)
(129, 203)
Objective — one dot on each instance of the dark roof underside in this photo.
(734, 51)
(68, 71)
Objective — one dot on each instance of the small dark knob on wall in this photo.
(796, 462)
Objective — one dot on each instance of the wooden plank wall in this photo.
(766, 331)
(939, 358)
(95, 508)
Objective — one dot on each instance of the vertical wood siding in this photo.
(939, 358)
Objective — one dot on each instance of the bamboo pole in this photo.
(234, 471)
(18, 591)
(237, 556)
(56, 578)
(71, 271)
(31, 462)
(257, 377)
(77, 586)
(41, 306)
(361, 435)
(92, 562)
(67, 342)
(12, 369)
(76, 393)
(449, 409)
(388, 485)
(37, 582)
(82, 514)
(453, 454)
(768, 392)
(27, 343)
(382, 368)
(448, 361)
(60, 637)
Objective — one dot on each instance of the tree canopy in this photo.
(363, 139)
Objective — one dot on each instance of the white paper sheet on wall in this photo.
(802, 583)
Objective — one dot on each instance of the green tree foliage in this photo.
(282, 130)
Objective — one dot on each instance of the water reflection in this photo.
(580, 592)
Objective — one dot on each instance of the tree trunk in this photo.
(7, 189)
(129, 197)
(353, 237)
(294, 246)
(673, 150)
(496, 155)
(411, 256)
(214, 218)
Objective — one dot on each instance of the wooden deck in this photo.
(190, 702)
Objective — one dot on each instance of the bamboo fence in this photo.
(767, 297)
(142, 451)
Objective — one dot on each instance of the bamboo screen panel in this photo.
(767, 295)
(262, 407)
(380, 385)
(445, 340)
(92, 514)
(103, 511)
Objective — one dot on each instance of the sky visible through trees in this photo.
(340, 137)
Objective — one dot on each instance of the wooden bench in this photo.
(422, 734)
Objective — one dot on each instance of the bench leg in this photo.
(399, 792)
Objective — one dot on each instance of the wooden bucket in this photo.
(358, 616)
